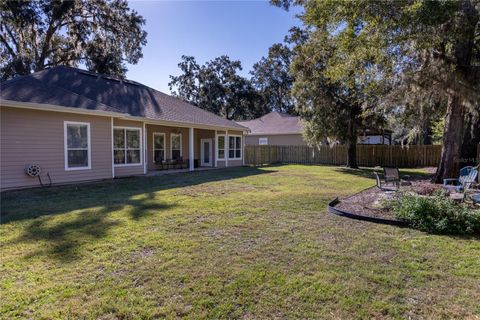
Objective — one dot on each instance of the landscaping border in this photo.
(338, 212)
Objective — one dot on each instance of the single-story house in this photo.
(277, 128)
(274, 128)
(75, 126)
(373, 136)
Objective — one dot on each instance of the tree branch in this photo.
(4, 41)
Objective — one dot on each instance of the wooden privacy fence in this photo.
(367, 155)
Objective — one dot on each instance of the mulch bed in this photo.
(369, 202)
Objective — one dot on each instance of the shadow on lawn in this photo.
(33, 203)
(94, 204)
(63, 240)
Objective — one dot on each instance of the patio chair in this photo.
(466, 178)
(159, 164)
(386, 185)
(180, 163)
(391, 175)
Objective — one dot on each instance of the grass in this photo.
(234, 243)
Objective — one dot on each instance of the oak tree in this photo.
(103, 35)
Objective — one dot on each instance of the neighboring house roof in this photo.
(75, 88)
(274, 123)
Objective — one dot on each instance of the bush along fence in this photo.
(367, 155)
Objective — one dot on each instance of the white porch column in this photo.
(144, 149)
(215, 152)
(113, 160)
(190, 149)
(227, 148)
(243, 149)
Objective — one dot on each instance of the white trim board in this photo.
(164, 145)
(234, 148)
(65, 145)
(125, 137)
(181, 144)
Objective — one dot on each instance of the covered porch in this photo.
(146, 148)
(170, 148)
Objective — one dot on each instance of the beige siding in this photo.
(231, 163)
(278, 140)
(130, 170)
(37, 137)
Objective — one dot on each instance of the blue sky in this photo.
(243, 30)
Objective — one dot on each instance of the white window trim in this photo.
(181, 144)
(164, 145)
(65, 145)
(234, 148)
(141, 147)
(224, 147)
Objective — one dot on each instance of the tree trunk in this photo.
(471, 140)
(454, 121)
(352, 154)
(352, 145)
(452, 140)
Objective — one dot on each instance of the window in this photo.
(235, 147)
(176, 146)
(127, 146)
(158, 147)
(77, 145)
(263, 141)
(221, 147)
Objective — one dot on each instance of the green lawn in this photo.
(235, 243)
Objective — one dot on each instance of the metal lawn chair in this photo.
(391, 175)
(386, 185)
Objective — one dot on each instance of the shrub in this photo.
(436, 214)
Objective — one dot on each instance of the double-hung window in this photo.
(77, 145)
(235, 147)
(158, 147)
(221, 147)
(127, 146)
(176, 146)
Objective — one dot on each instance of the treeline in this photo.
(216, 86)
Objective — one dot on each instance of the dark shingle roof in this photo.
(76, 88)
(274, 123)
